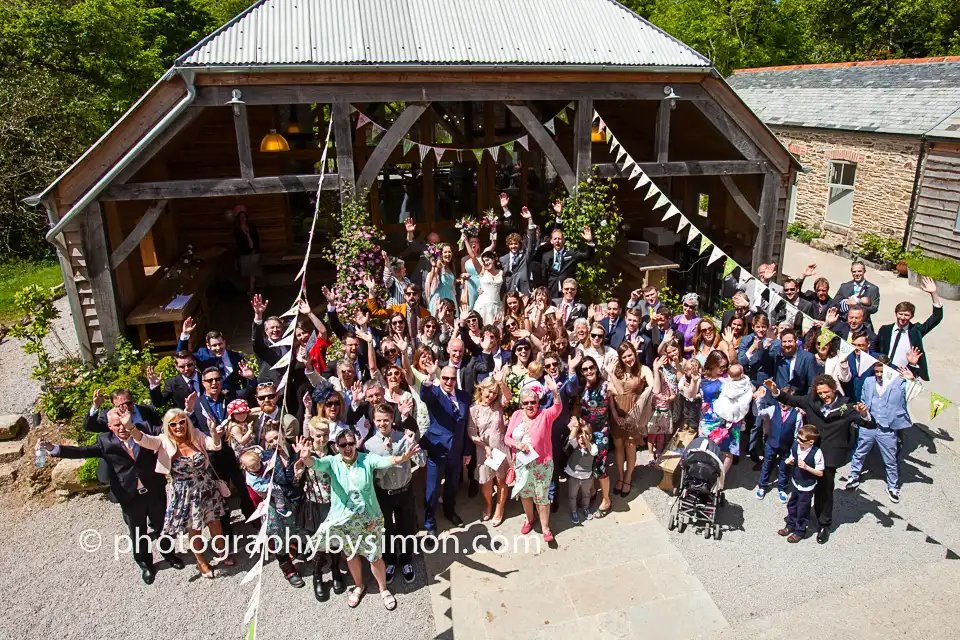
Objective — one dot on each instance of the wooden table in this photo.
(650, 269)
(191, 281)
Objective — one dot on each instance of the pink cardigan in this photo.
(167, 449)
(540, 431)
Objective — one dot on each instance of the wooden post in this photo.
(767, 210)
(343, 136)
(662, 137)
(97, 251)
(242, 127)
(547, 145)
(582, 129)
(143, 227)
(740, 199)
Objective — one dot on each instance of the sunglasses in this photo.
(596, 335)
(347, 445)
(803, 441)
(550, 365)
(178, 423)
(588, 369)
(212, 380)
(687, 305)
(789, 290)
(393, 374)
(522, 348)
(473, 320)
(269, 397)
(410, 293)
(398, 321)
(448, 378)
(528, 403)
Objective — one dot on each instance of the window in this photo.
(841, 179)
(956, 224)
(792, 216)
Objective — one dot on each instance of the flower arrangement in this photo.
(433, 253)
(490, 220)
(468, 227)
(356, 254)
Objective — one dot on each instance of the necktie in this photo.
(896, 342)
(456, 407)
(414, 316)
(557, 259)
(513, 258)
(193, 387)
(565, 308)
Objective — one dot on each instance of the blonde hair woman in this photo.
(487, 430)
(195, 500)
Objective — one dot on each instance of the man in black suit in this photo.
(791, 294)
(134, 484)
(554, 263)
(516, 263)
(614, 324)
(351, 350)
(568, 309)
(177, 388)
(858, 291)
(214, 353)
(856, 322)
(143, 414)
(898, 339)
(266, 334)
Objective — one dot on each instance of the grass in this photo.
(16, 275)
(942, 269)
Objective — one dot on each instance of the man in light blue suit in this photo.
(443, 442)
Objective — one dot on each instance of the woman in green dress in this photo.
(355, 519)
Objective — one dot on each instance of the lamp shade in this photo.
(595, 134)
(273, 142)
(294, 128)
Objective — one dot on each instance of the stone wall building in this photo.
(862, 131)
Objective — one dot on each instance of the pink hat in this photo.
(237, 406)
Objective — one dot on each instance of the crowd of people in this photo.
(490, 371)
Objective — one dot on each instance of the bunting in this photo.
(729, 266)
(683, 223)
(694, 232)
(424, 150)
(562, 116)
(937, 404)
(662, 201)
(549, 126)
(362, 120)
(704, 244)
(715, 255)
(479, 154)
(671, 211)
(407, 145)
(523, 142)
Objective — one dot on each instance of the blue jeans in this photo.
(771, 457)
(886, 441)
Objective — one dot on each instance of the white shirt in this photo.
(898, 357)
(818, 465)
(227, 365)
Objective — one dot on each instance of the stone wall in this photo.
(886, 166)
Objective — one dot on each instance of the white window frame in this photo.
(845, 187)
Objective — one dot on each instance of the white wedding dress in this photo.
(488, 302)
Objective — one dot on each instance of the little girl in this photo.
(690, 398)
(735, 396)
(258, 478)
(579, 468)
(239, 426)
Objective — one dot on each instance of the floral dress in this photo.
(594, 411)
(194, 500)
(661, 422)
(711, 425)
(316, 503)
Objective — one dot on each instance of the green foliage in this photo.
(356, 254)
(670, 299)
(943, 269)
(593, 206)
(879, 248)
(87, 473)
(801, 232)
(16, 275)
(37, 303)
(72, 383)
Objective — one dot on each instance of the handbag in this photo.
(222, 486)
(511, 476)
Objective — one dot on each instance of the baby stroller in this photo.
(700, 491)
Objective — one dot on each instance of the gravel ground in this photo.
(18, 391)
(53, 587)
(745, 572)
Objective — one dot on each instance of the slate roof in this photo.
(440, 32)
(908, 97)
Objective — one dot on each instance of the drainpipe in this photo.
(109, 176)
(914, 194)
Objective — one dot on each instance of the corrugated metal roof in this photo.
(907, 99)
(441, 32)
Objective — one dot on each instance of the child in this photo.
(734, 401)
(579, 468)
(690, 398)
(783, 429)
(254, 462)
(316, 508)
(239, 426)
(807, 461)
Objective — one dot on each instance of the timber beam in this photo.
(740, 199)
(220, 187)
(680, 168)
(388, 143)
(545, 140)
(132, 241)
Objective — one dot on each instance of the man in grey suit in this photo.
(516, 263)
(858, 291)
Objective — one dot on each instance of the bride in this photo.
(491, 280)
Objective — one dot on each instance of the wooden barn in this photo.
(141, 220)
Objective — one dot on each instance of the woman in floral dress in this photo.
(516, 375)
(194, 499)
(664, 399)
(595, 411)
(530, 431)
(711, 425)
(354, 511)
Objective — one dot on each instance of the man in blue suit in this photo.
(214, 354)
(861, 367)
(614, 324)
(443, 442)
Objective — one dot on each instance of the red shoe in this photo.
(526, 528)
(548, 536)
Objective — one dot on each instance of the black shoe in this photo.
(473, 489)
(391, 572)
(823, 535)
(173, 560)
(455, 520)
(554, 506)
(291, 574)
(148, 573)
(339, 586)
(320, 588)
(409, 575)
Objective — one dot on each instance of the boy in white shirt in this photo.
(807, 461)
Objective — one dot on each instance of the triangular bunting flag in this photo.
(407, 145)
(494, 152)
(424, 150)
(775, 300)
(596, 116)
(694, 232)
(791, 312)
(653, 191)
(292, 311)
(628, 162)
(715, 255)
(635, 172)
(937, 404)
(285, 341)
(524, 142)
(671, 211)
(549, 126)
(826, 337)
(644, 179)
(729, 266)
(438, 151)
(845, 348)
(283, 381)
(683, 223)
(508, 146)
(867, 361)
(620, 153)
(806, 323)
(479, 154)
(889, 375)
(362, 120)
(376, 131)
(259, 511)
(661, 201)
(614, 143)
(608, 135)
(704, 244)
(283, 361)
(914, 389)
(563, 117)
(252, 607)
(572, 105)
(255, 570)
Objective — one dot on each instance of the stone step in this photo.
(11, 426)
(8, 474)
(11, 451)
